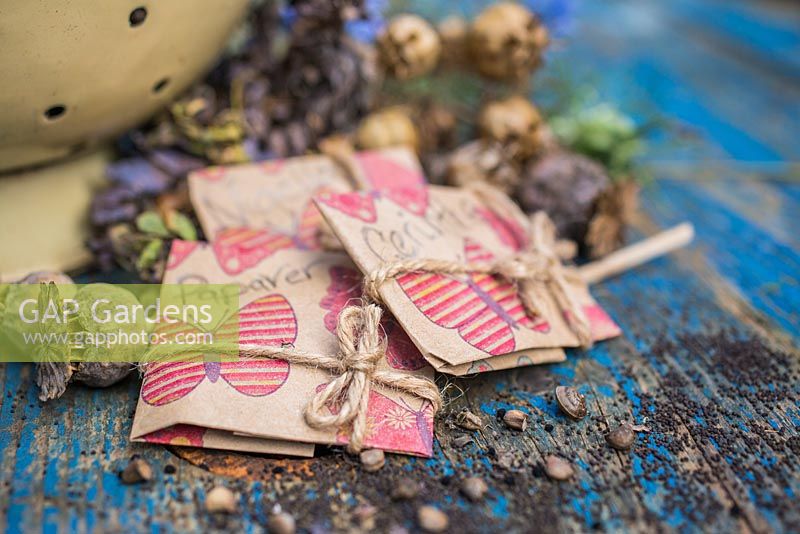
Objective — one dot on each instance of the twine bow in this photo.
(537, 268)
(342, 403)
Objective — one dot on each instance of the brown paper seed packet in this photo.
(209, 438)
(288, 297)
(457, 320)
(273, 198)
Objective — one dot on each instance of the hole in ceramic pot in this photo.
(137, 16)
(55, 112)
(160, 85)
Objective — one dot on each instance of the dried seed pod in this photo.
(409, 47)
(453, 32)
(474, 488)
(101, 374)
(566, 186)
(571, 402)
(615, 209)
(481, 161)
(432, 519)
(516, 419)
(221, 500)
(557, 468)
(506, 41)
(460, 441)
(437, 127)
(622, 437)
(372, 459)
(388, 127)
(281, 523)
(516, 124)
(365, 514)
(468, 420)
(405, 489)
(136, 471)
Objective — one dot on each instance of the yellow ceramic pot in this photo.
(75, 72)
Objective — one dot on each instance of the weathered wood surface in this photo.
(709, 360)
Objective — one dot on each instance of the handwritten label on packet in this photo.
(452, 319)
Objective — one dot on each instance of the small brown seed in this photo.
(557, 468)
(136, 471)
(220, 499)
(372, 459)
(474, 488)
(468, 420)
(571, 402)
(516, 419)
(405, 489)
(365, 514)
(432, 519)
(281, 523)
(622, 437)
(460, 441)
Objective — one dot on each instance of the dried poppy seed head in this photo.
(516, 124)
(506, 41)
(409, 47)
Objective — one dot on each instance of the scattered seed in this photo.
(136, 471)
(474, 488)
(558, 468)
(460, 441)
(571, 402)
(505, 460)
(372, 459)
(365, 514)
(432, 519)
(281, 523)
(405, 489)
(622, 437)
(221, 499)
(468, 420)
(516, 419)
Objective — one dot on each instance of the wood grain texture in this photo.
(710, 359)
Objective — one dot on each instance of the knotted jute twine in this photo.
(534, 270)
(343, 402)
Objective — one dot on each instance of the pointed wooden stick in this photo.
(637, 254)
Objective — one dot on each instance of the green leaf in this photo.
(182, 226)
(150, 254)
(150, 222)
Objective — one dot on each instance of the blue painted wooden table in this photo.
(709, 359)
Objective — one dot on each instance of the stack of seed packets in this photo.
(263, 224)
(461, 324)
(292, 297)
(263, 228)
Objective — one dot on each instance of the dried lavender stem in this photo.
(637, 254)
